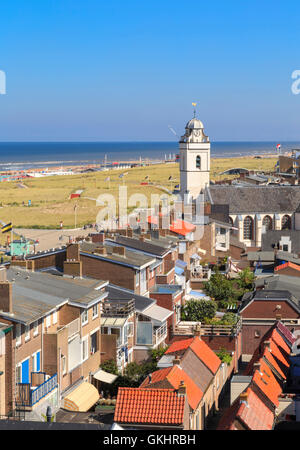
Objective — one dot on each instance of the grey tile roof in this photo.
(247, 199)
(279, 287)
(272, 238)
(36, 294)
(146, 246)
(131, 258)
(117, 293)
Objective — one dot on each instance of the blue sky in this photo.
(125, 70)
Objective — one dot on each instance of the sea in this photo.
(29, 155)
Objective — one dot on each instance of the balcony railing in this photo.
(25, 396)
(160, 334)
(73, 327)
(189, 328)
(200, 273)
(118, 308)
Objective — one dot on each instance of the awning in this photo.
(180, 263)
(82, 398)
(179, 271)
(195, 256)
(106, 377)
(111, 321)
(158, 313)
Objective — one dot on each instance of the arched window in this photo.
(248, 228)
(268, 223)
(198, 162)
(286, 222)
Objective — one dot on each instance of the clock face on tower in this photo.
(196, 133)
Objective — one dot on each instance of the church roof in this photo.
(256, 199)
(194, 123)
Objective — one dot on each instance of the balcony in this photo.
(188, 329)
(73, 328)
(28, 396)
(119, 308)
(160, 334)
(199, 273)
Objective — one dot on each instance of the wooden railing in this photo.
(189, 328)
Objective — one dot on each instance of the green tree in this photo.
(110, 366)
(229, 319)
(245, 279)
(199, 310)
(224, 356)
(219, 287)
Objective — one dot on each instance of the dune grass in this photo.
(50, 202)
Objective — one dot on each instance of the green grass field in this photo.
(50, 195)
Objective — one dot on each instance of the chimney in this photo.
(119, 251)
(101, 251)
(176, 361)
(244, 398)
(267, 344)
(256, 366)
(6, 296)
(278, 317)
(99, 237)
(73, 252)
(3, 273)
(197, 331)
(181, 391)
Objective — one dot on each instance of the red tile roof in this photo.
(174, 375)
(267, 383)
(205, 354)
(178, 346)
(178, 226)
(286, 265)
(149, 406)
(254, 415)
(269, 357)
(285, 332)
(280, 341)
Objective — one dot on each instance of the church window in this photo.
(286, 222)
(267, 222)
(248, 228)
(198, 162)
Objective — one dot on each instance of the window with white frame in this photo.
(18, 373)
(63, 365)
(48, 321)
(137, 278)
(18, 334)
(54, 318)
(130, 329)
(95, 311)
(85, 348)
(84, 317)
(27, 333)
(94, 342)
(36, 328)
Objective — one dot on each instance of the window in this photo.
(137, 278)
(117, 332)
(125, 334)
(130, 329)
(54, 320)
(18, 334)
(198, 162)
(48, 321)
(94, 342)
(285, 248)
(36, 362)
(104, 330)
(36, 328)
(286, 222)
(85, 348)
(95, 311)
(144, 333)
(267, 222)
(248, 228)
(27, 333)
(18, 374)
(63, 365)
(84, 317)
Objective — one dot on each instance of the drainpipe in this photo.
(59, 377)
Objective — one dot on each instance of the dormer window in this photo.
(198, 162)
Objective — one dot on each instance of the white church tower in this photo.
(194, 148)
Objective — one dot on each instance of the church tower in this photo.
(194, 148)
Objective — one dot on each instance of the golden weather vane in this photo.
(194, 105)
